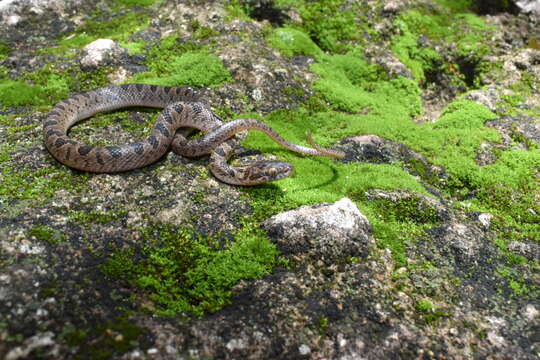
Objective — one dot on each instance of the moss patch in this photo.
(47, 234)
(292, 42)
(24, 183)
(359, 99)
(442, 26)
(330, 33)
(49, 85)
(4, 51)
(192, 68)
(352, 85)
(183, 273)
(429, 311)
(15, 93)
(137, 2)
(118, 28)
(398, 224)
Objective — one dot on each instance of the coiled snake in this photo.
(182, 109)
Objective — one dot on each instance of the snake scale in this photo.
(183, 110)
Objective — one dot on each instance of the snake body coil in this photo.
(182, 109)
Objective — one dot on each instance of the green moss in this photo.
(334, 33)
(134, 47)
(397, 236)
(88, 80)
(512, 258)
(527, 84)
(192, 68)
(347, 83)
(508, 103)
(183, 273)
(26, 183)
(73, 336)
(451, 142)
(236, 10)
(5, 150)
(442, 26)
(516, 283)
(118, 28)
(7, 120)
(294, 92)
(398, 224)
(508, 189)
(92, 217)
(429, 311)
(49, 86)
(70, 44)
(418, 59)
(4, 51)
(322, 325)
(22, 128)
(136, 2)
(159, 57)
(202, 32)
(47, 234)
(120, 265)
(16, 93)
(424, 306)
(457, 5)
(3, 71)
(55, 85)
(292, 42)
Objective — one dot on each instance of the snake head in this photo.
(265, 171)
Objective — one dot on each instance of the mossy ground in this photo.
(178, 271)
(192, 68)
(360, 99)
(186, 273)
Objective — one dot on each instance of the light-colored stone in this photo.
(100, 52)
(532, 6)
(323, 230)
(35, 342)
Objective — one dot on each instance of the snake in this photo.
(183, 111)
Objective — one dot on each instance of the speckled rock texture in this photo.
(384, 254)
(326, 232)
(529, 5)
(101, 52)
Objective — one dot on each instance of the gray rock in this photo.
(488, 96)
(326, 232)
(44, 340)
(101, 52)
(377, 150)
(529, 250)
(464, 239)
(532, 6)
(12, 11)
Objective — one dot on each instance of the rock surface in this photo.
(422, 242)
(101, 52)
(529, 6)
(326, 232)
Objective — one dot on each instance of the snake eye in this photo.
(272, 171)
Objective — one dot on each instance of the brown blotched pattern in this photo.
(182, 109)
